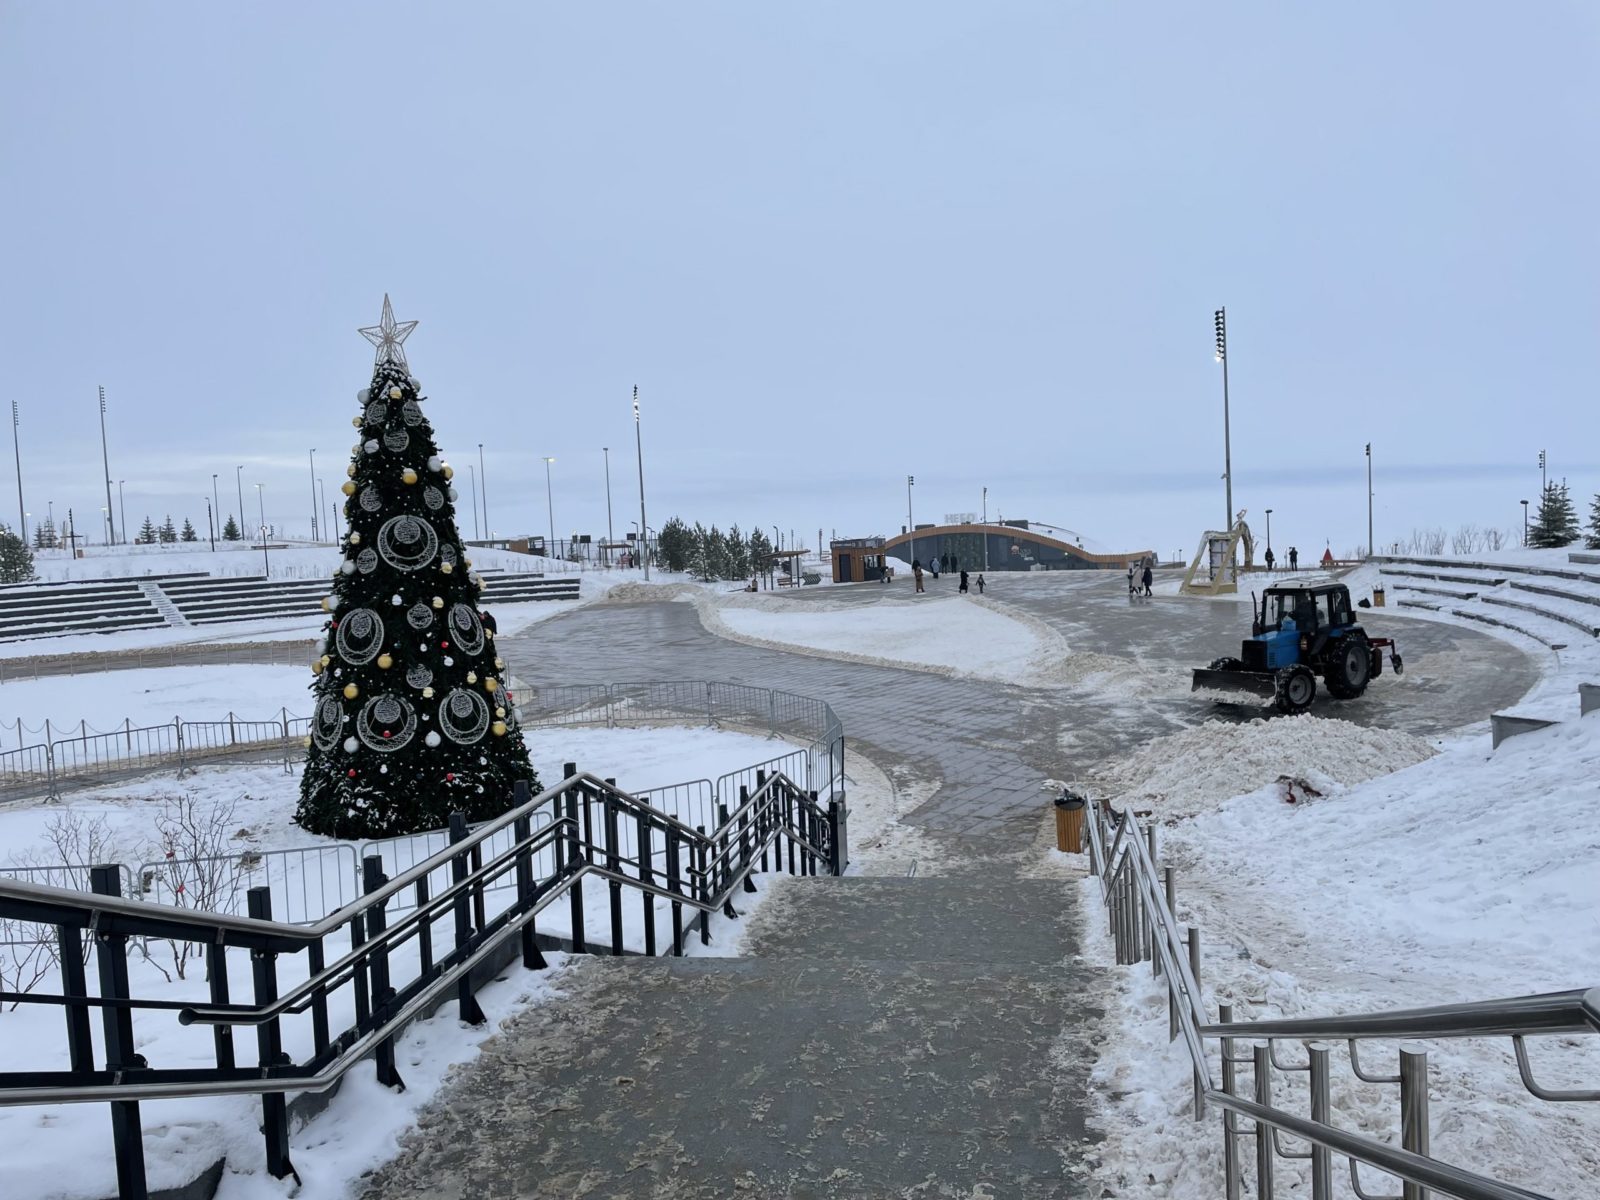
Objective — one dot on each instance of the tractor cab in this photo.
(1305, 609)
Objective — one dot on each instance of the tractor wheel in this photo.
(1295, 688)
(1226, 664)
(1349, 668)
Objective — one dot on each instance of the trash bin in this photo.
(1377, 596)
(1069, 822)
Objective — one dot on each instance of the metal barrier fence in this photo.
(1139, 894)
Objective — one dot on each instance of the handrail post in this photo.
(675, 886)
(1199, 1003)
(574, 863)
(1322, 1113)
(644, 850)
(744, 836)
(269, 1040)
(1261, 1065)
(74, 985)
(111, 957)
(373, 878)
(217, 982)
(700, 856)
(1414, 1111)
(608, 810)
(1230, 1144)
(466, 1002)
(527, 894)
(838, 821)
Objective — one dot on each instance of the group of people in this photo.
(950, 564)
(1294, 558)
(1139, 582)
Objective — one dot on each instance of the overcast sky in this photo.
(834, 244)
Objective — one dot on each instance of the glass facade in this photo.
(1009, 550)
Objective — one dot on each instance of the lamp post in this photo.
(1269, 530)
(314, 505)
(484, 490)
(1370, 548)
(610, 534)
(1524, 524)
(911, 524)
(322, 504)
(1220, 319)
(238, 476)
(110, 530)
(985, 529)
(105, 461)
(261, 505)
(122, 511)
(214, 504)
(472, 474)
(211, 525)
(638, 442)
(16, 449)
(550, 504)
(1542, 477)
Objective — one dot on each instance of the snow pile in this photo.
(1193, 770)
(1466, 877)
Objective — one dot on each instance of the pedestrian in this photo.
(1269, 558)
(916, 573)
(1149, 577)
(1132, 588)
(954, 563)
(963, 588)
(933, 566)
(1294, 559)
(980, 585)
(486, 619)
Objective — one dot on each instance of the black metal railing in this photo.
(324, 996)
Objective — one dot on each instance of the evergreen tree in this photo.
(148, 534)
(410, 717)
(187, 534)
(716, 554)
(1557, 523)
(698, 565)
(16, 560)
(169, 531)
(230, 531)
(44, 535)
(1592, 542)
(675, 545)
(760, 551)
(738, 554)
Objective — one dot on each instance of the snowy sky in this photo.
(833, 243)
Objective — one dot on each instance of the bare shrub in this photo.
(196, 869)
(1494, 539)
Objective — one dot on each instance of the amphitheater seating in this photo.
(1543, 603)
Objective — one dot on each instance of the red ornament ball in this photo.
(450, 777)
(351, 772)
(385, 733)
(444, 645)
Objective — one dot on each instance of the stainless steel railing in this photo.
(1139, 897)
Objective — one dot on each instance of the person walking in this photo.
(486, 619)
(963, 588)
(916, 573)
(1149, 577)
(1269, 558)
(1294, 559)
(980, 585)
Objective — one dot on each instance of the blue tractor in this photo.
(1297, 634)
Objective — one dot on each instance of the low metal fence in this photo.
(307, 882)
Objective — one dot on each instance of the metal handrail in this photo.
(1146, 927)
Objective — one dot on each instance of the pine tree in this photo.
(16, 560)
(169, 531)
(1592, 541)
(187, 534)
(44, 535)
(698, 564)
(148, 535)
(1557, 523)
(760, 551)
(410, 719)
(230, 531)
(675, 545)
(738, 554)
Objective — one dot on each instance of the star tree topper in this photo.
(388, 334)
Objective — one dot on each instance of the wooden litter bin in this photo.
(1069, 823)
(1378, 596)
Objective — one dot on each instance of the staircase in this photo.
(159, 601)
(879, 1037)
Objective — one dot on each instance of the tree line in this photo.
(711, 553)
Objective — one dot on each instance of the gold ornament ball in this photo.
(408, 475)
(449, 471)
(356, 421)
(395, 393)
(427, 693)
(499, 712)
(326, 604)
(438, 602)
(498, 729)
(355, 538)
(384, 662)
(326, 659)
(466, 562)
(351, 470)
(351, 691)
(306, 742)
(472, 677)
(445, 568)
(349, 489)
(499, 664)
(490, 684)
(316, 668)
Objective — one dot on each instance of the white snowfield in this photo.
(1468, 876)
(154, 696)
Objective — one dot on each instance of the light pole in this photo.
(1269, 531)
(16, 449)
(985, 529)
(638, 442)
(211, 525)
(105, 461)
(1370, 549)
(110, 530)
(472, 473)
(911, 524)
(483, 479)
(1542, 478)
(1524, 524)
(550, 504)
(122, 511)
(322, 503)
(261, 506)
(238, 476)
(610, 533)
(1220, 319)
(314, 504)
(215, 503)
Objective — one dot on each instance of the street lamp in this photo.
(105, 461)
(1371, 550)
(122, 510)
(211, 525)
(1524, 524)
(215, 504)
(472, 473)
(1542, 479)
(610, 534)
(314, 504)
(16, 449)
(1269, 531)
(1220, 320)
(911, 524)
(638, 445)
(238, 475)
(985, 529)
(261, 506)
(550, 504)
(484, 482)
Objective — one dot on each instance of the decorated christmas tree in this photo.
(411, 719)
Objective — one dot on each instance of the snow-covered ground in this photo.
(283, 560)
(1466, 876)
(151, 696)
